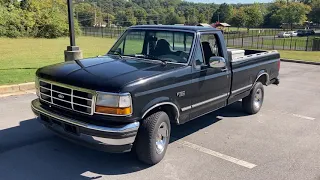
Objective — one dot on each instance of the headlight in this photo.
(114, 104)
(37, 86)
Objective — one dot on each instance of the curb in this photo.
(300, 61)
(17, 88)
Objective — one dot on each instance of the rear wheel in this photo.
(253, 102)
(153, 138)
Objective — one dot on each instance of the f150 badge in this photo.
(181, 93)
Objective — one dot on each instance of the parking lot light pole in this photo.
(73, 52)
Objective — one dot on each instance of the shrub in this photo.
(34, 19)
(10, 22)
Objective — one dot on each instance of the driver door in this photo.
(212, 84)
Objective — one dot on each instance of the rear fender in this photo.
(261, 74)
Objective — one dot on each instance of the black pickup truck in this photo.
(153, 76)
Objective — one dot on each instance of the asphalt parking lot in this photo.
(280, 142)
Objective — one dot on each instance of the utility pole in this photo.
(95, 13)
(101, 17)
(73, 52)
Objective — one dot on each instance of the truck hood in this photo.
(106, 73)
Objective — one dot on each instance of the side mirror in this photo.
(217, 62)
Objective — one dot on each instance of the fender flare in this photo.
(159, 102)
(261, 73)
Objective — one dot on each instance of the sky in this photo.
(230, 1)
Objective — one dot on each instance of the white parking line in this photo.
(296, 115)
(304, 117)
(217, 154)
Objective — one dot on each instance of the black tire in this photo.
(145, 143)
(250, 104)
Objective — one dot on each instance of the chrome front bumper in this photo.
(112, 139)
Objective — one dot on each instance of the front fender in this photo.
(156, 103)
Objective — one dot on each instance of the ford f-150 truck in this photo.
(153, 76)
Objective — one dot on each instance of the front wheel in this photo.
(153, 138)
(253, 102)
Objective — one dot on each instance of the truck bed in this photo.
(246, 69)
(252, 55)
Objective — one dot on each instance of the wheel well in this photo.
(263, 79)
(169, 109)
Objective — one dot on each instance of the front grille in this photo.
(67, 97)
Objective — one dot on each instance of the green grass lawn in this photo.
(301, 55)
(20, 58)
(295, 42)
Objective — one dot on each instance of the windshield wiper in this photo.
(164, 61)
(116, 53)
(152, 57)
(140, 56)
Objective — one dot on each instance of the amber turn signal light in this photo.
(113, 110)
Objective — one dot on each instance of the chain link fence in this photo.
(103, 32)
(308, 43)
(265, 39)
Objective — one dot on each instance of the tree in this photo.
(291, 12)
(274, 18)
(254, 17)
(85, 14)
(190, 13)
(223, 14)
(141, 15)
(314, 15)
(296, 12)
(10, 22)
(48, 18)
(173, 18)
(52, 20)
(163, 18)
(239, 18)
(126, 18)
(153, 17)
(108, 18)
(202, 18)
(45, 18)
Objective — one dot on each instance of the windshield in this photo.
(170, 46)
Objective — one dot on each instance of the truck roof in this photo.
(175, 27)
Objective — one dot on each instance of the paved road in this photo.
(280, 142)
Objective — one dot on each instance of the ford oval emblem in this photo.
(60, 96)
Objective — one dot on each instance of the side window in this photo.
(210, 46)
(198, 55)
